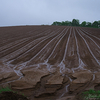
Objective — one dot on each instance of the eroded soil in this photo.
(50, 62)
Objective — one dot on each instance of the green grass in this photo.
(91, 94)
(7, 89)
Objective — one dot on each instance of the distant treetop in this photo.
(76, 22)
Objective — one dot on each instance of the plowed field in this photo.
(49, 55)
(70, 48)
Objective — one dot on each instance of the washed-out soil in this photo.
(11, 96)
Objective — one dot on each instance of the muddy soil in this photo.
(50, 62)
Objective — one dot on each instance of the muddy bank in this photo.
(50, 62)
(41, 84)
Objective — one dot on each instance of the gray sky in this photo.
(38, 12)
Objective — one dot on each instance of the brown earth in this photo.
(50, 62)
(11, 96)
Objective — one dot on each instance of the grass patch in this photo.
(91, 94)
(7, 89)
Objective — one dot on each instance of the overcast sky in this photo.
(38, 12)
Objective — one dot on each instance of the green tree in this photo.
(95, 24)
(99, 22)
(68, 23)
(88, 24)
(56, 23)
(63, 23)
(75, 22)
(83, 24)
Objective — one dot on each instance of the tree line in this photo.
(75, 22)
